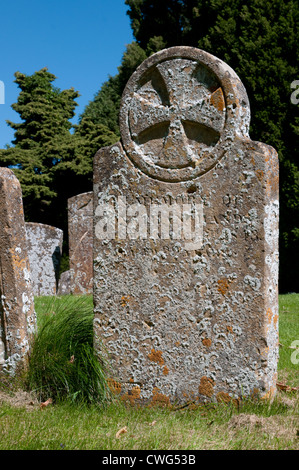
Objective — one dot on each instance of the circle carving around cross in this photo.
(173, 115)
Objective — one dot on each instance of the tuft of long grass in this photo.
(63, 361)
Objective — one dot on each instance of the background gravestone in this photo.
(80, 228)
(65, 283)
(44, 250)
(17, 315)
(187, 319)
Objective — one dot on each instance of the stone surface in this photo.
(17, 319)
(186, 238)
(80, 228)
(65, 283)
(44, 250)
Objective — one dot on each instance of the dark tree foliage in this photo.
(45, 112)
(51, 163)
(104, 108)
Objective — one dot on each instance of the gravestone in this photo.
(44, 250)
(186, 238)
(17, 315)
(80, 228)
(65, 283)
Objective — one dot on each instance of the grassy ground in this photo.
(208, 427)
(288, 365)
(253, 425)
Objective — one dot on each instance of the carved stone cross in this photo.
(175, 108)
(176, 116)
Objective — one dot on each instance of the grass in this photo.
(83, 424)
(82, 427)
(288, 335)
(63, 363)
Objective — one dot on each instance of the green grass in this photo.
(81, 427)
(67, 424)
(289, 339)
(63, 363)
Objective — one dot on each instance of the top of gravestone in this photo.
(181, 110)
(37, 225)
(87, 194)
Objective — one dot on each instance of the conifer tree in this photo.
(45, 113)
(51, 162)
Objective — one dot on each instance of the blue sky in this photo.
(80, 41)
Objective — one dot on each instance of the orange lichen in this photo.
(269, 315)
(222, 286)
(156, 356)
(18, 262)
(270, 394)
(165, 370)
(114, 386)
(265, 351)
(217, 100)
(259, 175)
(125, 299)
(132, 395)
(207, 342)
(206, 386)
(224, 397)
(159, 399)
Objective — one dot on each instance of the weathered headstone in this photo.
(186, 238)
(80, 228)
(65, 283)
(44, 250)
(17, 315)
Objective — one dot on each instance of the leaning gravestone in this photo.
(186, 238)
(17, 315)
(80, 228)
(44, 250)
